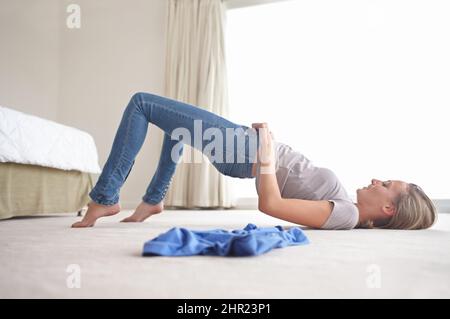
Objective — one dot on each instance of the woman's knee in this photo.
(139, 101)
(139, 97)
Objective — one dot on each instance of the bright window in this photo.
(360, 87)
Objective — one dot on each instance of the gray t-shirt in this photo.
(298, 178)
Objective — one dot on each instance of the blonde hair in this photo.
(414, 210)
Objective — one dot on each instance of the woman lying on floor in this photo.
(289, 187)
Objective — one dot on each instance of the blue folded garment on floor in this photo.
(250, 241)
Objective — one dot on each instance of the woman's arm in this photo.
(304, 212)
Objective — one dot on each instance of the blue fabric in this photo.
(171, 116)
(250, 241)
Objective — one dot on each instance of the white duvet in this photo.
(28, 139)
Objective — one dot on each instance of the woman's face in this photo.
(380, 195)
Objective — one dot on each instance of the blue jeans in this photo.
(169, 115)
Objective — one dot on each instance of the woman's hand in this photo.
(259, 125)
(266, 154)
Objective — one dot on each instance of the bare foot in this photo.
(143, 211)
(94, 212)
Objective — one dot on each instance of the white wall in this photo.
(85, 77)
(119, 50)
(29, 56)
(365, 84)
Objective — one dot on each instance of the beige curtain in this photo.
(196, 74)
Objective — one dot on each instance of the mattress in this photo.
(29, 139)
(27, 190)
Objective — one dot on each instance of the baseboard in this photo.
(247, 203)
(235, 4)
(250, 203)
(243, 203)
(442, 205)
(129, 205)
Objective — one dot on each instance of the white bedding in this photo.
(28, 139)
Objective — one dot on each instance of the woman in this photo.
(289, 187)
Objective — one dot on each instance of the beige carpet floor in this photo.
(35, 255)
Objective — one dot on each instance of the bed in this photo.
(45, 167)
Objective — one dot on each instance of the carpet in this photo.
(41, 255)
